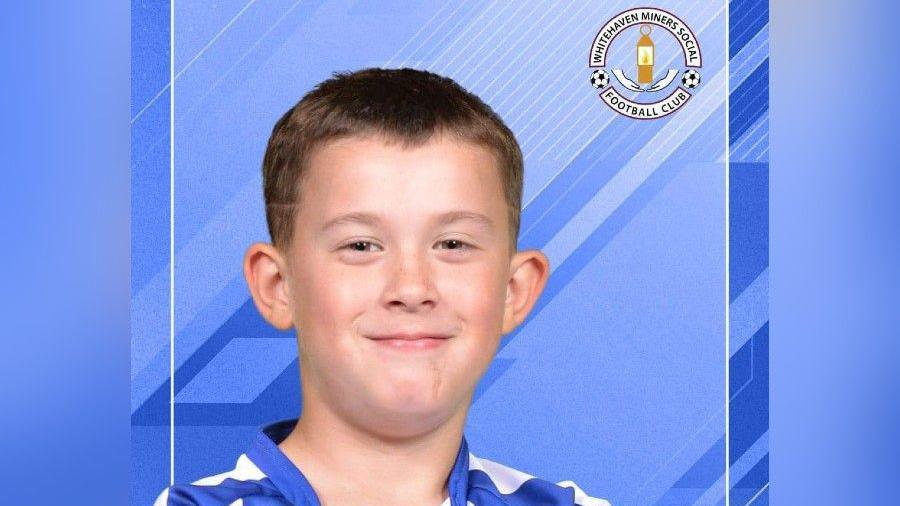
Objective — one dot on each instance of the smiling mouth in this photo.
(410, 336)
(411, 341)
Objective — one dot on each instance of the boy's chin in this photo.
(404, 426)
(412, 415)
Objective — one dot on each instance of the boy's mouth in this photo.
(411, 341)
(411, 336)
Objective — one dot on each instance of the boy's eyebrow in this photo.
(443, 219)
(454, 216)
(361, 218)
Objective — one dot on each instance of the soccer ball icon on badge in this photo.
(599, 79)
(690, 78)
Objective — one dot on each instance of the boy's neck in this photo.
(347, 465)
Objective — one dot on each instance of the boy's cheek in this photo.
(480, 283)
(480, 303)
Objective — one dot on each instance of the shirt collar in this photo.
(288, 479)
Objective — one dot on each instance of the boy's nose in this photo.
(410, 286)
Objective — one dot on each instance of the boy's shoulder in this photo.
(264, 475)
(489, 484)
(510, 486)
(245, 481)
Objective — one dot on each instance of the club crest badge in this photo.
(649, 81)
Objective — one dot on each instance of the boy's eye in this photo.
(361, 246)
(455, 244)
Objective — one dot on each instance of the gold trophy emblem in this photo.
(645, 48)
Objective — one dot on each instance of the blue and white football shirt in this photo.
(265, 476)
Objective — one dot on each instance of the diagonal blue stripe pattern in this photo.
(750, 311)
(750, 195)
(618, 219)
(751, 489)
(749, 249)
(747, 18)
(749, 101)
(749, 224)
(739, 469)
(240, 371)
(747, 144)
(196, 56)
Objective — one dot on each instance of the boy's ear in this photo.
(529, 271)
(264, 271)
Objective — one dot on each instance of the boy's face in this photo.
(400, 281)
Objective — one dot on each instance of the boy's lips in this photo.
(411, 336)
(411, 341)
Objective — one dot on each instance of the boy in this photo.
(392, 200)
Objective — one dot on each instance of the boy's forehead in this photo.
(352, 147)
(386, 186)
(374, 172)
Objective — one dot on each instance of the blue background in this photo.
(626, 346)
(836, 240)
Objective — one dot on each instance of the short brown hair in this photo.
(406, 105)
